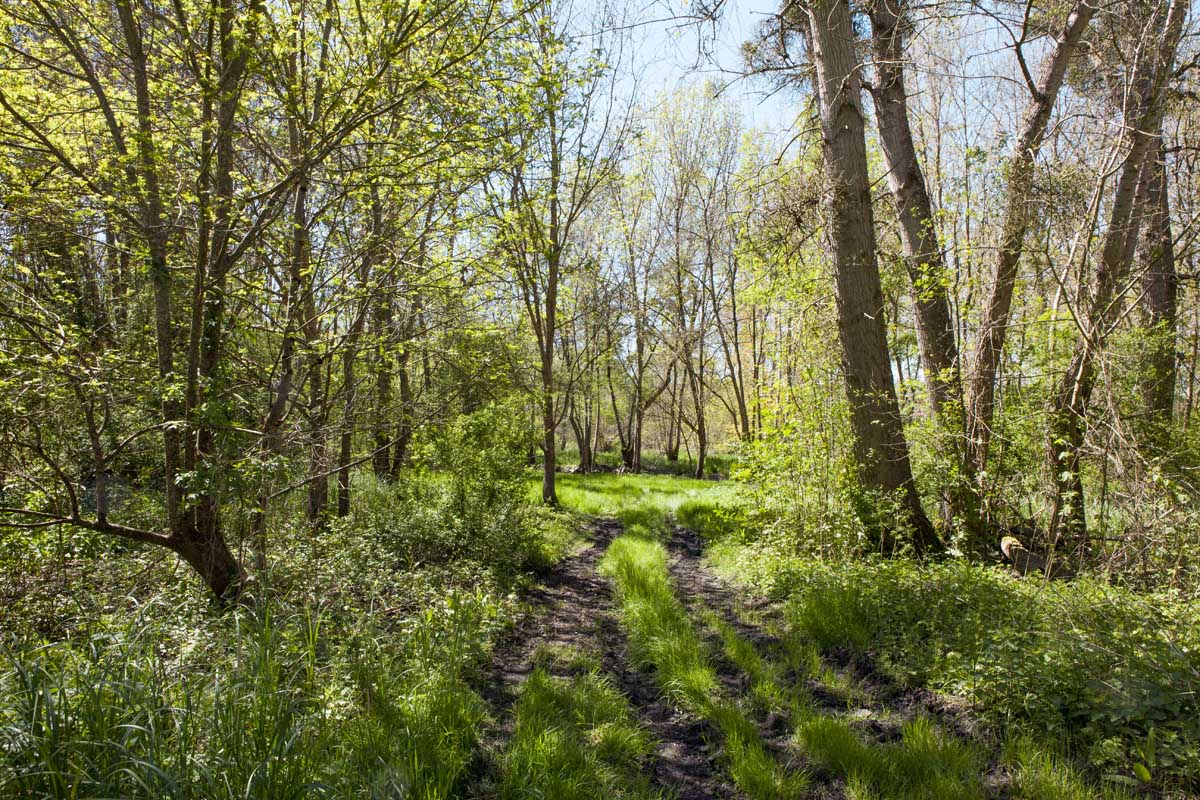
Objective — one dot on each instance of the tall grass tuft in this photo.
(278, 712)
(576, 739)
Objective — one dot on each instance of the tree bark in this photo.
(993, 328)
(924, 261)
(194, 532)
(918, 233)
(880, 448)
(1160, 289)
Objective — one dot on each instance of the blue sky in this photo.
(665, 50)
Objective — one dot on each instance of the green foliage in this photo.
(712, 520)
(800, 488)
(575, 738)
(348, 678)
(471, 507)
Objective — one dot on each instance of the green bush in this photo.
(464, 499)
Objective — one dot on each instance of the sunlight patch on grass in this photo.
(575, 739)
(924, 764)
(610, 495)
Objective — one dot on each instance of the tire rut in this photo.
(573, 607)
(879, 704)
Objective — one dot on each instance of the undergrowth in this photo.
(575, 738)
(347, 673)
(1093, 673)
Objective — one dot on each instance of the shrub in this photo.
(464, 500)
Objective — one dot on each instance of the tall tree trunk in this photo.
(923, 257)
(1101, 307)
(549, 415)
(549, 446)
(674, 418)
(880, 448)
(382, 340)
(194, 533)
(318, 480)
(1160, 288)
(404, 428)
(1019, 171)
(350, 396)
(581, 427)
(155, 232)
(696, 389)
(346, 436)
(549, 325)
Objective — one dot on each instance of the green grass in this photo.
(662, 637)
(654, 463)
(1039, 774)
(923, 764)
(575, 738)
(610, 495)
(276, 714)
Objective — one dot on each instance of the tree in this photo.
(880, 448)
(993, 328)
(923, 257)
(564, 140)
(1101, 306)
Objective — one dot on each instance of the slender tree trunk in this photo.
(346, 438)
(696, 386)
(549, 416)
(404, 428)
(1019, 171)
(880, 448)
(350, 400)
(581, 427)
(674, 419)
(549, 446)
(639, 424)
(382, 361)
(1143, 118)
(918, 233)
(318, 483)
(1160, 289)
(923, 257)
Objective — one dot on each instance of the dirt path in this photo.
(877, 707)
(574, 610)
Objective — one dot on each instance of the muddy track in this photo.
(879, 705)
(573, 608)
(573, 611)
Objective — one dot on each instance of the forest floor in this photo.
(779, 720)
